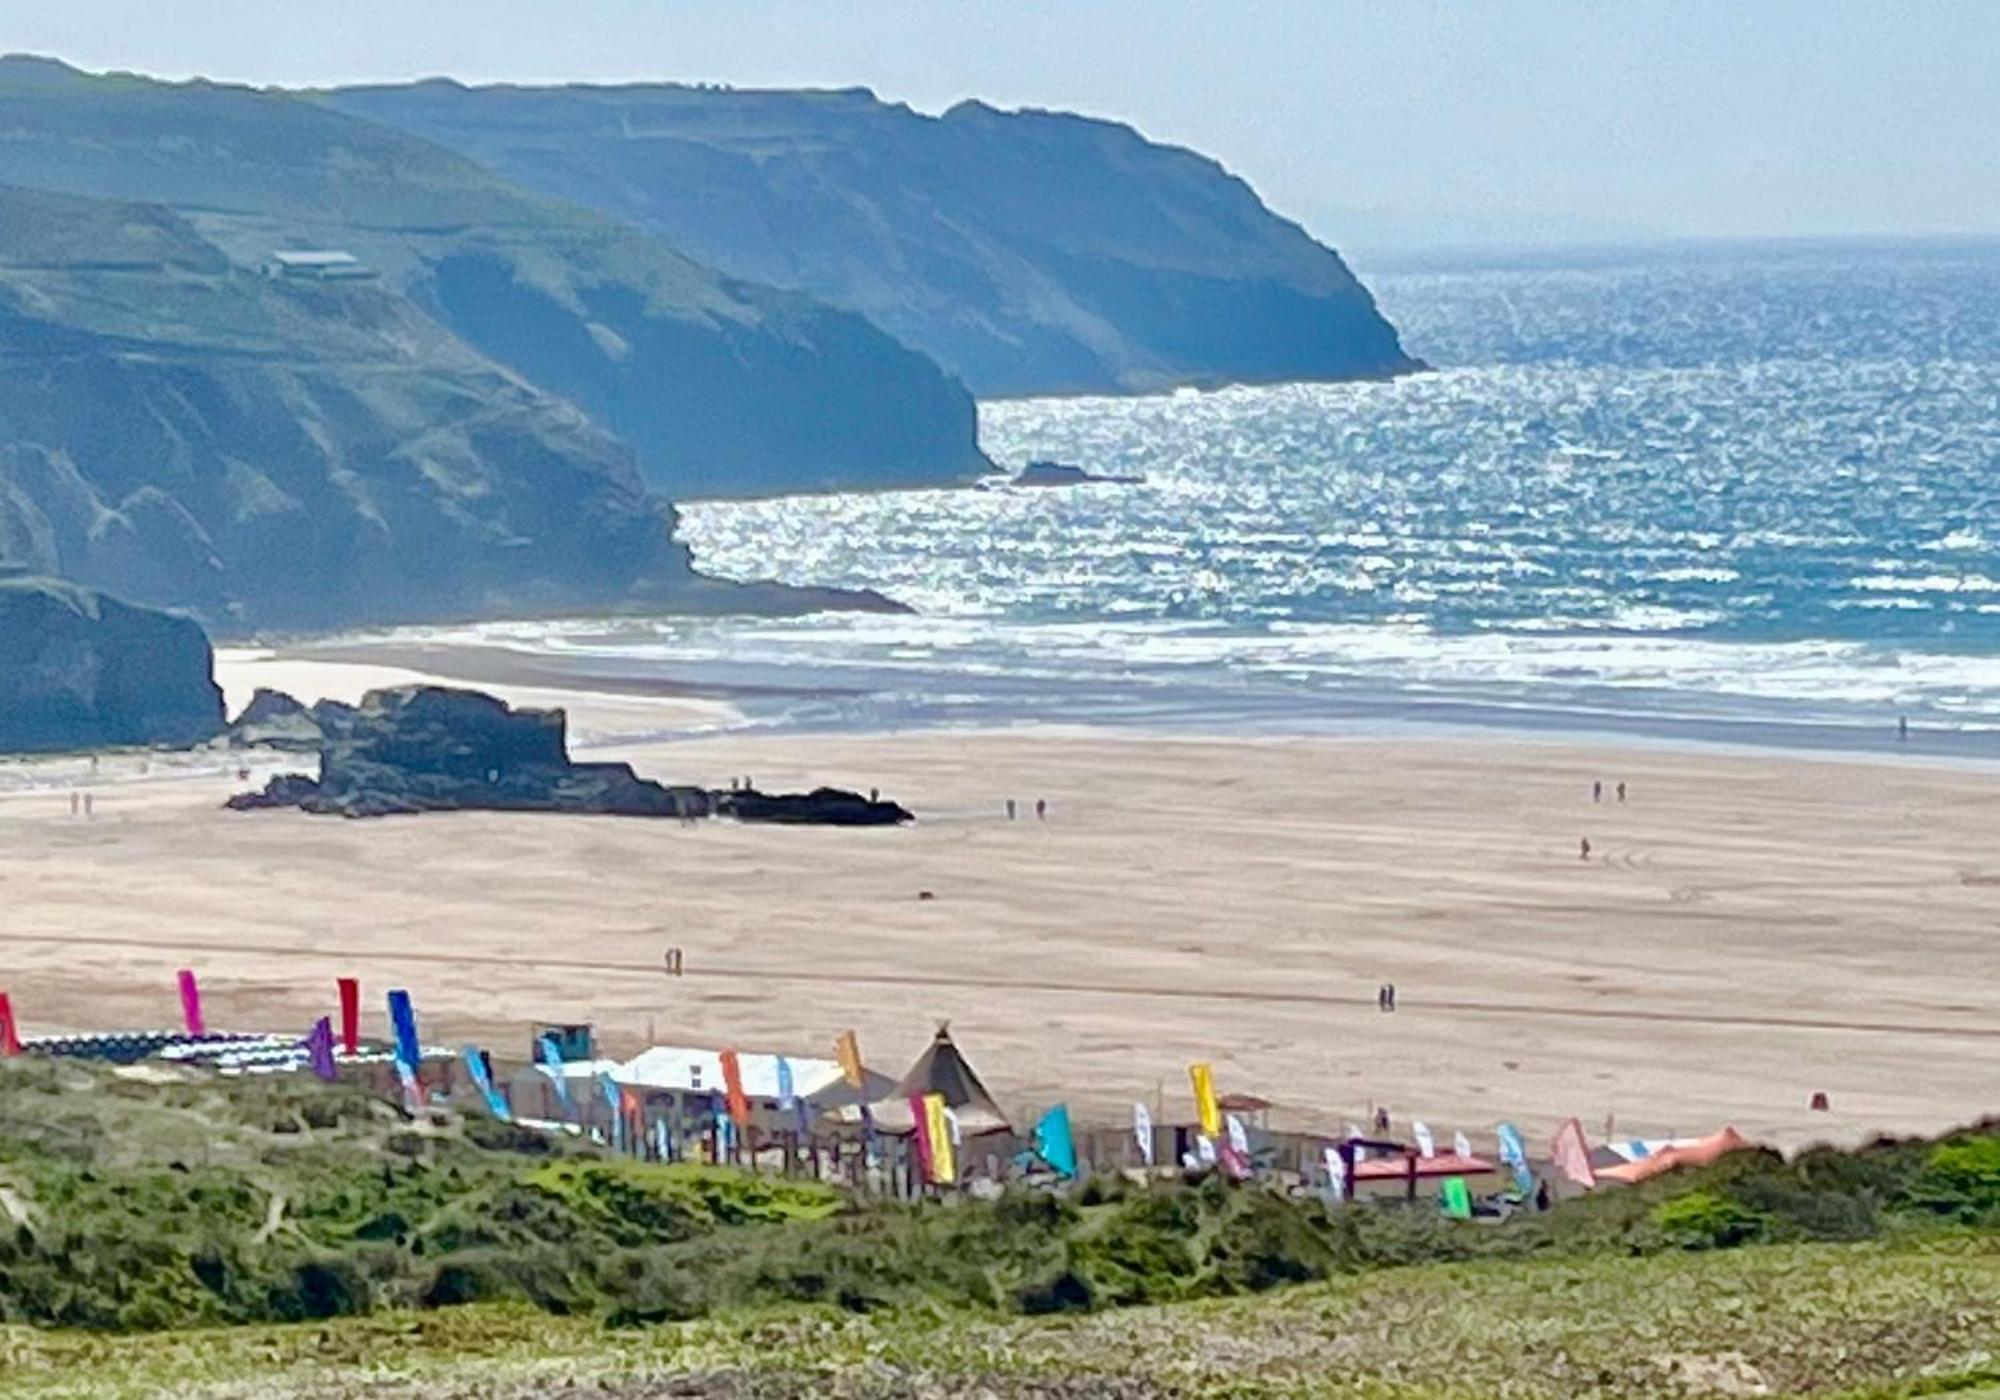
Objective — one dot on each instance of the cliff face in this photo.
(184, 432)
(81, 670)
(717, 386)
(1029, 252)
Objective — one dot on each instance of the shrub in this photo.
(1704, 1219)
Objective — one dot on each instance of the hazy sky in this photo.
(1371, 123)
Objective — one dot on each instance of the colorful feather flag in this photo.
(1461, 1144)
(319, 1049)
(848, 1051)
(552, 1065)
(350, 1015)
(1426, 1144)
(786, 1096)
(944, 1158)
(610, 1092)
(1571, 1154)
(1336, 1171)
(1206, 1105)
(920, 1135)
(1054, 1142)
(1514, 1153)
(482, 1080)
(1457, 1200)
(191, 1003)
(732, 1084)
(10, 1034)
(1142, 1132)
(403, 1017)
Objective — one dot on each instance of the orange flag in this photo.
(1571, 1154)
(848, 1051)
(732, 1083)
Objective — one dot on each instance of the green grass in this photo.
(155, 1232)
(1797, 1320)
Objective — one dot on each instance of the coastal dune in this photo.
(1748, 929)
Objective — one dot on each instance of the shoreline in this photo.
(1750, 928)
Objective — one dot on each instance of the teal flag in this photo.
(1054, 1143)
(496, 1102)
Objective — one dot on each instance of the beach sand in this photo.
(1749, 928)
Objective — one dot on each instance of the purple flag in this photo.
(319, 1046)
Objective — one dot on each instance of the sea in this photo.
(1736, 493)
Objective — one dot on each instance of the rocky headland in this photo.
(425, 748)
(82, 670)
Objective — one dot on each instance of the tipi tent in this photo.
(941, 1069)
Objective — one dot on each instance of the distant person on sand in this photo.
(1390, 990)
(1902, 728)
(1621, 791)
(75, 803)
(1382, 1121)
(1041, 809)
(1583, 849)
(1597, 791)
(1010, 809)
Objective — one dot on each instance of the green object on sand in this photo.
(1457, 1200)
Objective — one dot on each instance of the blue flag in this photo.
(496, 1103)
(1054, 1143)
(1515, 1154)
(404, 1018)
(610, 1092)
(552, 1061)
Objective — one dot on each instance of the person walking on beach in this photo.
(1583, 849)
(1010, 809)
(1621, 790)
(1902, 728)
(1390, 990)
(1597, 791)
(1041, 809)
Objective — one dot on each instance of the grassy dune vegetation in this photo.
(231, 1237)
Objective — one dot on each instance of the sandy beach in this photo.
(1748, 929)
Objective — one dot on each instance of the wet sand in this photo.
(1749, 927)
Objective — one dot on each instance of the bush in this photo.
(1705, 1219)
(1961, 1178)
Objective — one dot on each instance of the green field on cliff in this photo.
(180, 1233)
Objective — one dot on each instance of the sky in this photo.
(1391, 124)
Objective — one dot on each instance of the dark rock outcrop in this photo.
(274, 720)
(81, 670)
(437, 749)
(1064, 474)
(820, 807)
(1028, 252)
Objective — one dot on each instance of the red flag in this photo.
(10, 1038)
(732, 1082)
(1571, 1154)
(191, 1003)
(350, 1015)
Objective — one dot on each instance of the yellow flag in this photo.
(1204, 1100)
(944, 1161)
(848, 1051)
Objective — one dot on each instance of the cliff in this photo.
(717, 386)
(81, 670)
(184, 432)
(1029, 252)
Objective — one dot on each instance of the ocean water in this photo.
(1745, 492)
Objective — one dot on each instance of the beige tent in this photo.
(941, 1069)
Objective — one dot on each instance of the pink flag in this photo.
(191, 1004)
(1571, 1154)
(920, 1115)
(10, 1038)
